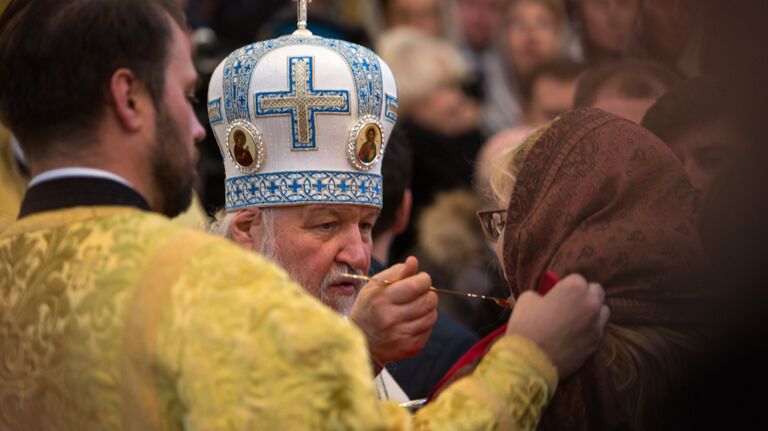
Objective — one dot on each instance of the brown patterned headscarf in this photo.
(601, 196)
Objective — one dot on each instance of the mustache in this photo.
(336, 275)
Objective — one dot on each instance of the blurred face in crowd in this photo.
(705, 149)
(421, 14)
(666, 26)
(447, 110)
(479, 20)
(532, 35)
(610, 24)
(550, 97)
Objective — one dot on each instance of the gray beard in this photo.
(341, 304)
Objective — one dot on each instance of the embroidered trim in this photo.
(238, 69)
(302, 102)
(391, 109)
(214, 112)
(303, 187)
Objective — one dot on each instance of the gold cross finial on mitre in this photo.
(301, 18)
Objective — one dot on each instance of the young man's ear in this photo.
(246, 224)
(129, 99)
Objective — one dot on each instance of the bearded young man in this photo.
(115, 318)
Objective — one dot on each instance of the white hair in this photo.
(506, 167)
(269, 248)
(221, 225)
(421, 63)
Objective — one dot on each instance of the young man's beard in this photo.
(173, 168)
(342, 304)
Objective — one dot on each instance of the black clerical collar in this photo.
(68, 192)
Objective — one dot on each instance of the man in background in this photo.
(702, 130)
(626, 88)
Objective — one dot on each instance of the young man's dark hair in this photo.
(632, 78)
(692, 103)
(397, 175)
(559, 69)
(56, 62)
(696, 121)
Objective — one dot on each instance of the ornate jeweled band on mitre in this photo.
(303, 187)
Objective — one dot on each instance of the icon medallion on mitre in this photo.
(246, 146)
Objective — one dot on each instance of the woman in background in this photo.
(532, 32)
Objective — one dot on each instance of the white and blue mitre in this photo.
(302, 119)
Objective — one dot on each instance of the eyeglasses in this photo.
(493, 222)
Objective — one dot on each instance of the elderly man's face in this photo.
(317, 243)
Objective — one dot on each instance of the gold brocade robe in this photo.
(13, 184)
(114, 318)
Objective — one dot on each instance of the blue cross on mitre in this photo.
(302, 102)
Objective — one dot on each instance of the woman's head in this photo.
(506, 168)
(532, 33)
(588, 172)
(504, 171)
(600, 196)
